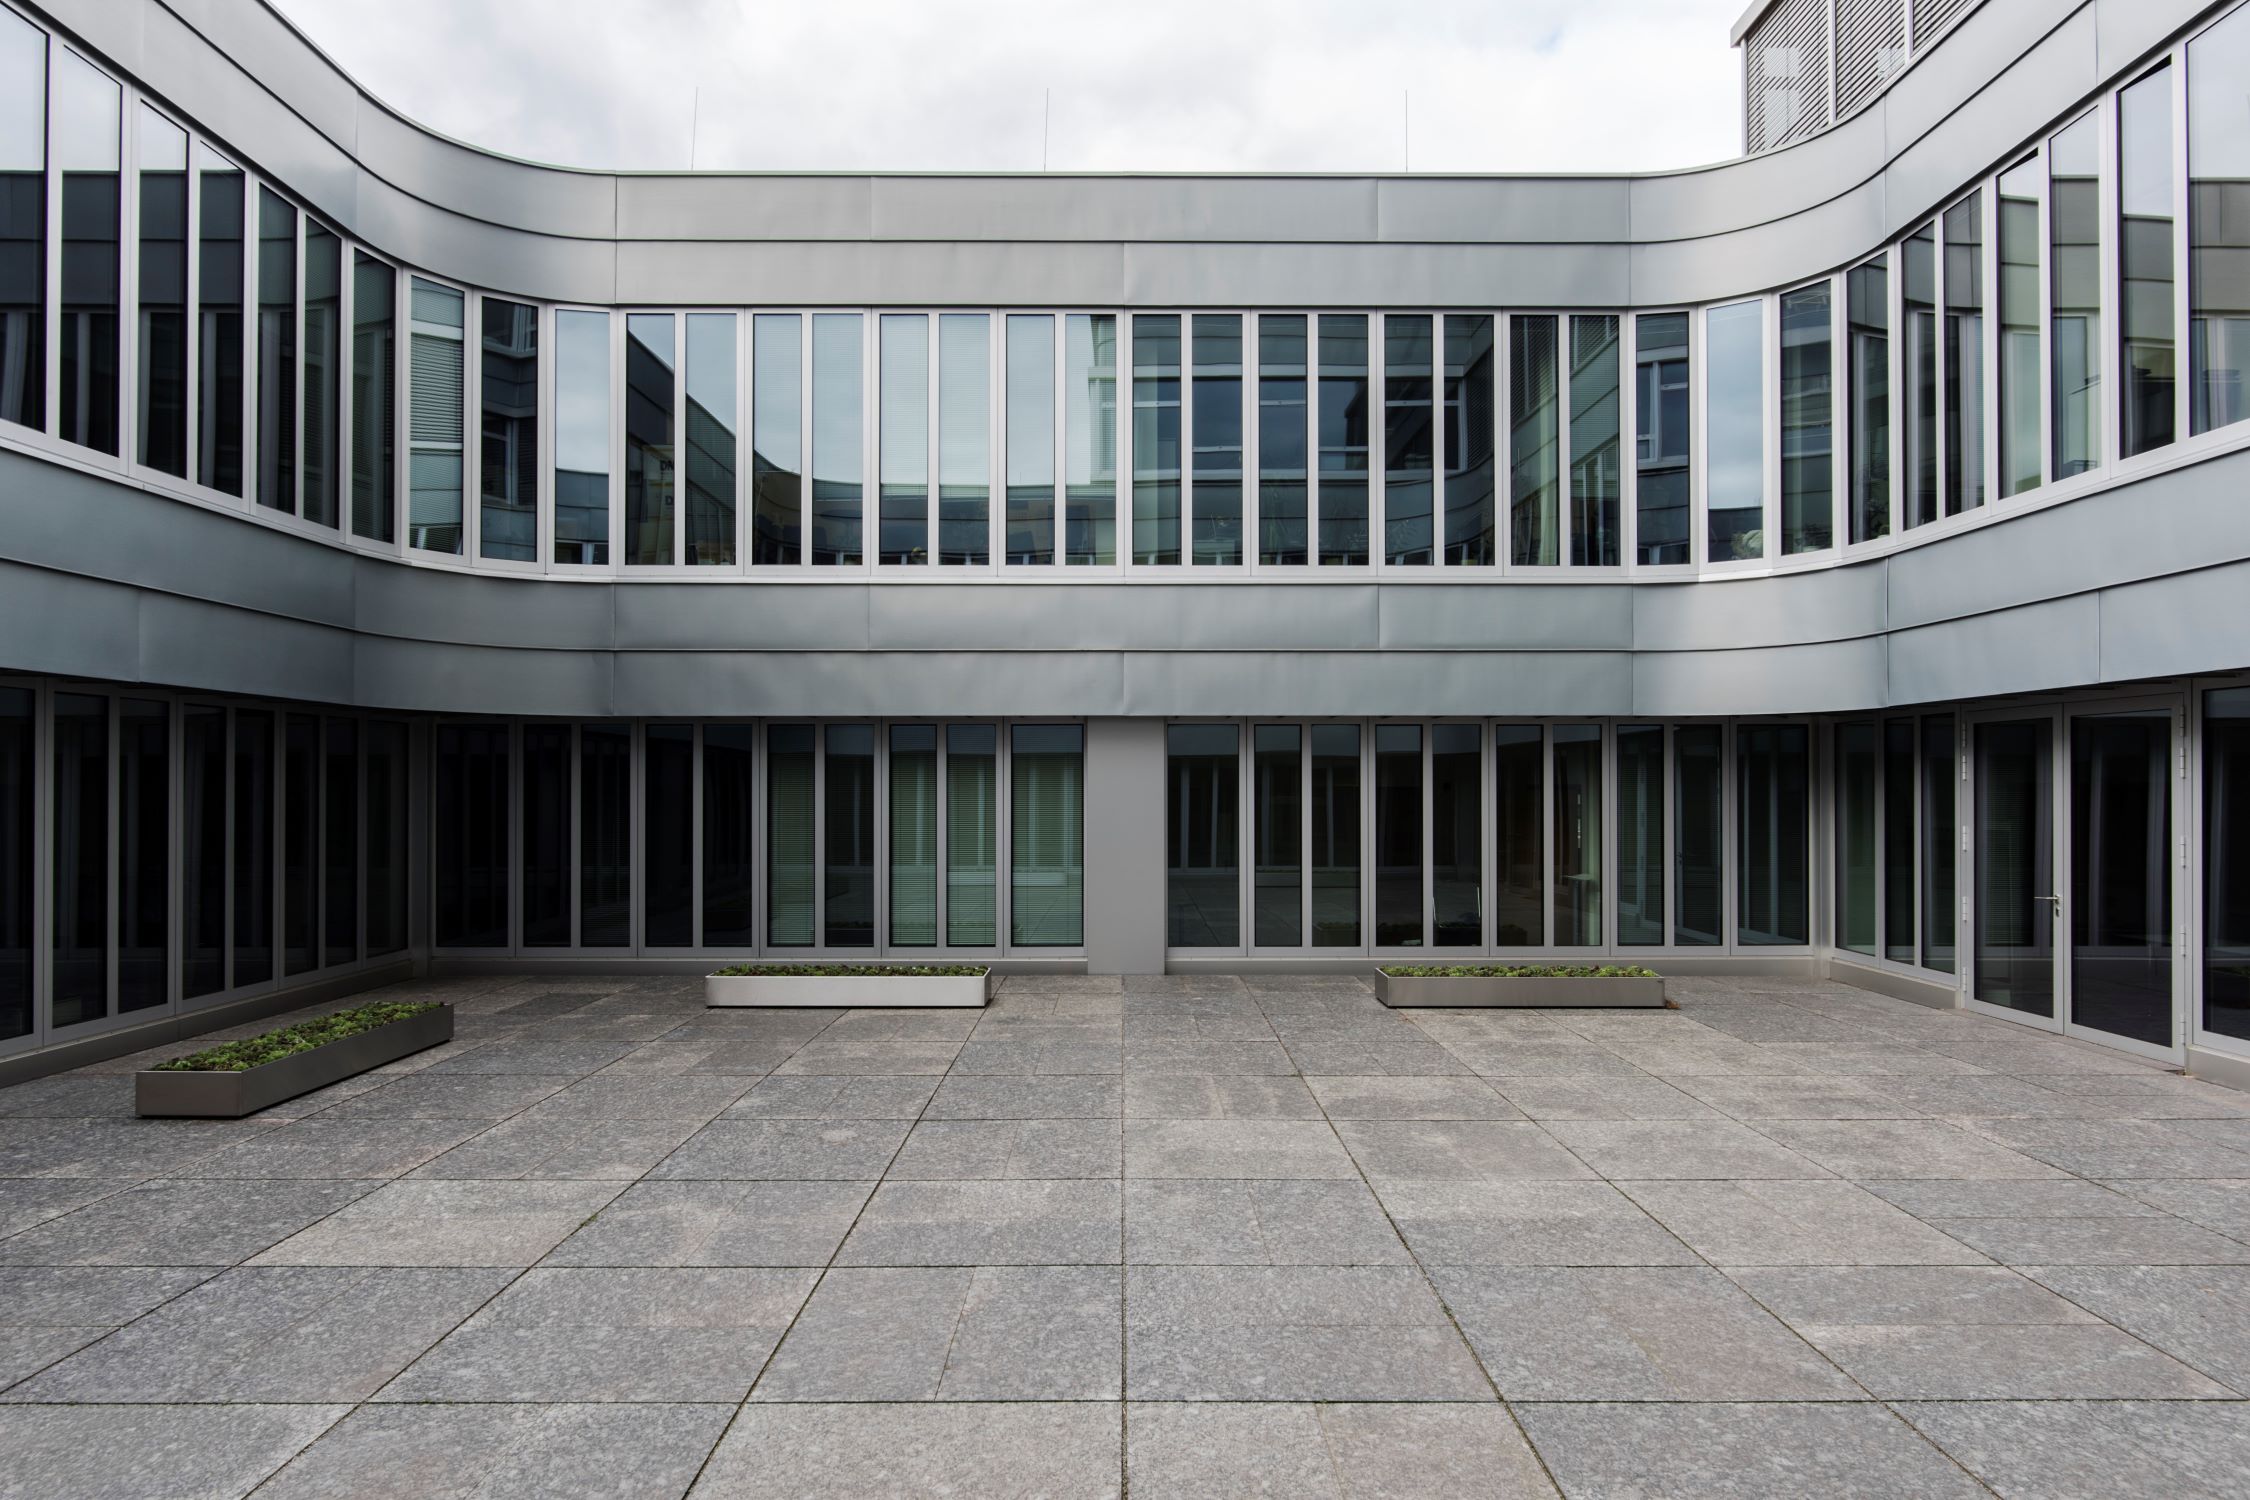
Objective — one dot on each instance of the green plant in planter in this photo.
(1519, 971)
(850, 971)
(288, 1041)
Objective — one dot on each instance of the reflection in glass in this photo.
(2226, 857)
(23, 285)
(711, 459)
(1964, 355)
(340, 847)
(1343, 438)
(546, 835)
(1734, 424)
(1661, 438)
(1090, 439)
(1941, 774)
(1398, 835)
(848, 839)
(1772, 892)
(777, 439)
(1808, 446)
(1534, 446)
(913, 836)
(1640, 835)
(277, 352)
(79, 969)
(323, 353)
(1409, 456)
(903, 440)
(387, 767)
(2020, 191)
(1031, 439)
(84, 146)
(2121, 875)
(1868, 319)
(144, 863)
(437, 358)
(469, 836)
(1456, 836)
(2144, 252)
(1855, 838)
(651, 355)
(508, 523)
(18, 841)
(1156, 439)
(162, 334)
(218, 358)
(581, 440)
(1203, 819)
(1335, 835)
(1597, 479)
(374, 396)
(2015, 865)
(1046, 836)
(605, 846)
(2074, 220)
(964, 439)
(789, 835)
(1699, 836)
(668, 836)
(1282, 428)
(1918, 362)
(1218, 438)
(836, 439)
(1578, 835)
(2218, 226)
(1519, 843)
(203, 850)
(253, 847)
(300, 842)
(972, 835)
(1469, 433)
(1278, 880)
(1898, 840)
(730, 913)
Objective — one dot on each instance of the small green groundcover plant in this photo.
(234, 1057)
(1519, 971)
(850, 971)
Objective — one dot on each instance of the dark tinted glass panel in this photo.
(1409, 439)
(651, 353)
(1343, 438)
(546, 835)
(1030, 413)
(1519, 842)
(277, 352)
(972, 835)
(1734, 428)
(81, 859)
(83, 145)
(1699, 831)
(1640, 834)
(2074, 214)
(1156, 438)
(1090, 439)
(23, 246)
(469, 835)
(1469, 431)
(218, 356)
(300, 843)
(668, 836)
(203, 851)
(2144, 252)
(144, 858)
(2219, 226)
(1535, 442)
(1898, 840)
(789, 835)
(1398, 835)
(605, 850)
(581, 440)
(18, 776)
(508, 486)
(253, 847)
(1918, 360)
(162, 330)
(1278, 889)
(1855, 838)
(913, 891)
(964, 457)
(374, 398)
(1218, 438)
(339, 859)
(1282, 427)
(2015, 868)
(836, 439)
(1772, 893)
(1808, 446)
(903, 439)
(2121, 875)
(1661, 438)
(1335, 836)
(1964, 355)
(1868, 316)
(1578, 835)
(777, 440)
(730, 913)
(1203, 818)
(1456, 836)
(386, 836)
(1597, 479)
(848, 802)
(323, 356)
(711, 448)
(1046, 835)
(2226, 861)
(1941, 775)
(2020, 190)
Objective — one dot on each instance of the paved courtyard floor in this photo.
(1165, 1237)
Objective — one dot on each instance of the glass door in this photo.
(2124, 863)
(2015, 901)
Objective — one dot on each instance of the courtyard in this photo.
(1174, 1236)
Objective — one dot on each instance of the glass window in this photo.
(277, 352)
(374, 396)
(1469, 433)
(2226, 861)
(2219, 226)
(789, 835)
(1868, 312)
(668, 836)
(340, 842)
(1640, 835)
(1535, 427)
(1090, 439)
(1456, 836)
(386, 836)
(1409, 446)
(437, 358)
(972, 835)
(1855, 838)
(848, 801)
(144, 853)
(1031, 438)
(1941, 773)
(509, 396)
(903, 440)
(1335, 835)
(1519, 844)
(84, 145)
(1282, 428)
(1964, 355)
(1578, 835)
(203, 850)
(469, 828)
(1596, 479)
(300, 842)
(1899, 774)
(1217, 429)
(914, 835)
(1156, 439)
(254, 847)
(80, 892)
(18, 787)
(605, 851)
(1808, 448)
(1735, 484)
(730, 913)
(1661, 441)
(162, 329)
(1699, 824)
(2020, 192)
(1343, 438)
(218, 358)
(547, 826)
(711, 458)
(1398, 835)
(323, 356)
(836, 440)
(1278, 891)
(2074, 220)
(1771, 763)
(23, 270)
(2144, 252)
(1047, 851)
(582, 436)
(651, 364)
(777, 439)
(1203, 820)
(1918, 363)
(964, 439)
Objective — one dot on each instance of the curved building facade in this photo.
(1835, 560)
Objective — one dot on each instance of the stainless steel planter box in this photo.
(846, 991)
(229, 1096)
(1528, 992)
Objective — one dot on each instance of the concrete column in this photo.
(1125, 846)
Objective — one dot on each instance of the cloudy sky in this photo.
(1150, 85)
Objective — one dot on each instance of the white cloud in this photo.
(1157, 85)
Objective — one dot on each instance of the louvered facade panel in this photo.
(1870, 48)
(1932, 17)
(1785, 63)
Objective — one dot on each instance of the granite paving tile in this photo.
(2094, 1450)
(717, 1224)
(1795, 1223)
(786, 1150)
(1257, 1223)
(1351, 1097)
(1040, 1097)
(433, 1223)
(144, 1452)
(1218, 1096)
(178, 1222)
(2197, 1314)
(1865, 1150)
(1234, 1148)
(1601, 1096)
(1528, 1224)
(1680, 1149)
(1457, 1151)
(948, 1150)
(906, 1451)
(970, 1223)
(1739, 1451)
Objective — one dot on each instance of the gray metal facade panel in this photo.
(1125, 909)
(842, 684)
(67, 626)
(2171, 626)
(1746, 261)
(425, 604)
(1536, 617)
(1403, 683)
(1830, 604)
(2030, 649)
(458, 179)
(808, 272)
(258, 44)
(669, 206)
(1587, 210)
(483, 254)
(1814, 678)
(658, 615)
(192, 644)
(1401, 275)
(431, 677)
(1157, 207)
(1097, 616)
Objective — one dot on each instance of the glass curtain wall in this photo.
(437, 453)
(903, 439)
(1535, 443)
(1409, 439)
(1699, 835)
(730, 814)
(913, 829)
(1735, 473)
(1519, 836)
(1047, 891)
(1203, 865)
(848, 836)
(1772, 827)
(1277, 836)
(322, 353)
(1597, 479)
(1216, 424)
(1090, 424)
(1856, 856)
(1335, 835)
(1398, 836)
(1868, 371)
(1965, 446)
(1662, 446)
(1900, 776)
(374, 397)
(161, 373)
(1808, 448)
(23, 261)
(219, 293)
(277, 352)
(1640, 835)
(651, 444)
(2144, 264)
(777, 528)
(1577, 835)
(1344, 435)
(1918, 364)
(972, 835)
(83, 146)
(2074, 219)
(581, 441)
(1030, 414)
(1469, 436)
(508, 398)
(2021, 190)
(1156, 439)
(1456, 836)
(1284, 479)
(837, 440)
(548, 822)
(668, 836)
(1941, 779)
(2226, 862)
(964, 439)
(711, 459)
(2218, 226)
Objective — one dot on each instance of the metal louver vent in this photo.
(1785, 83)
(1932, 17)
(435, 395)
(1870, 47)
